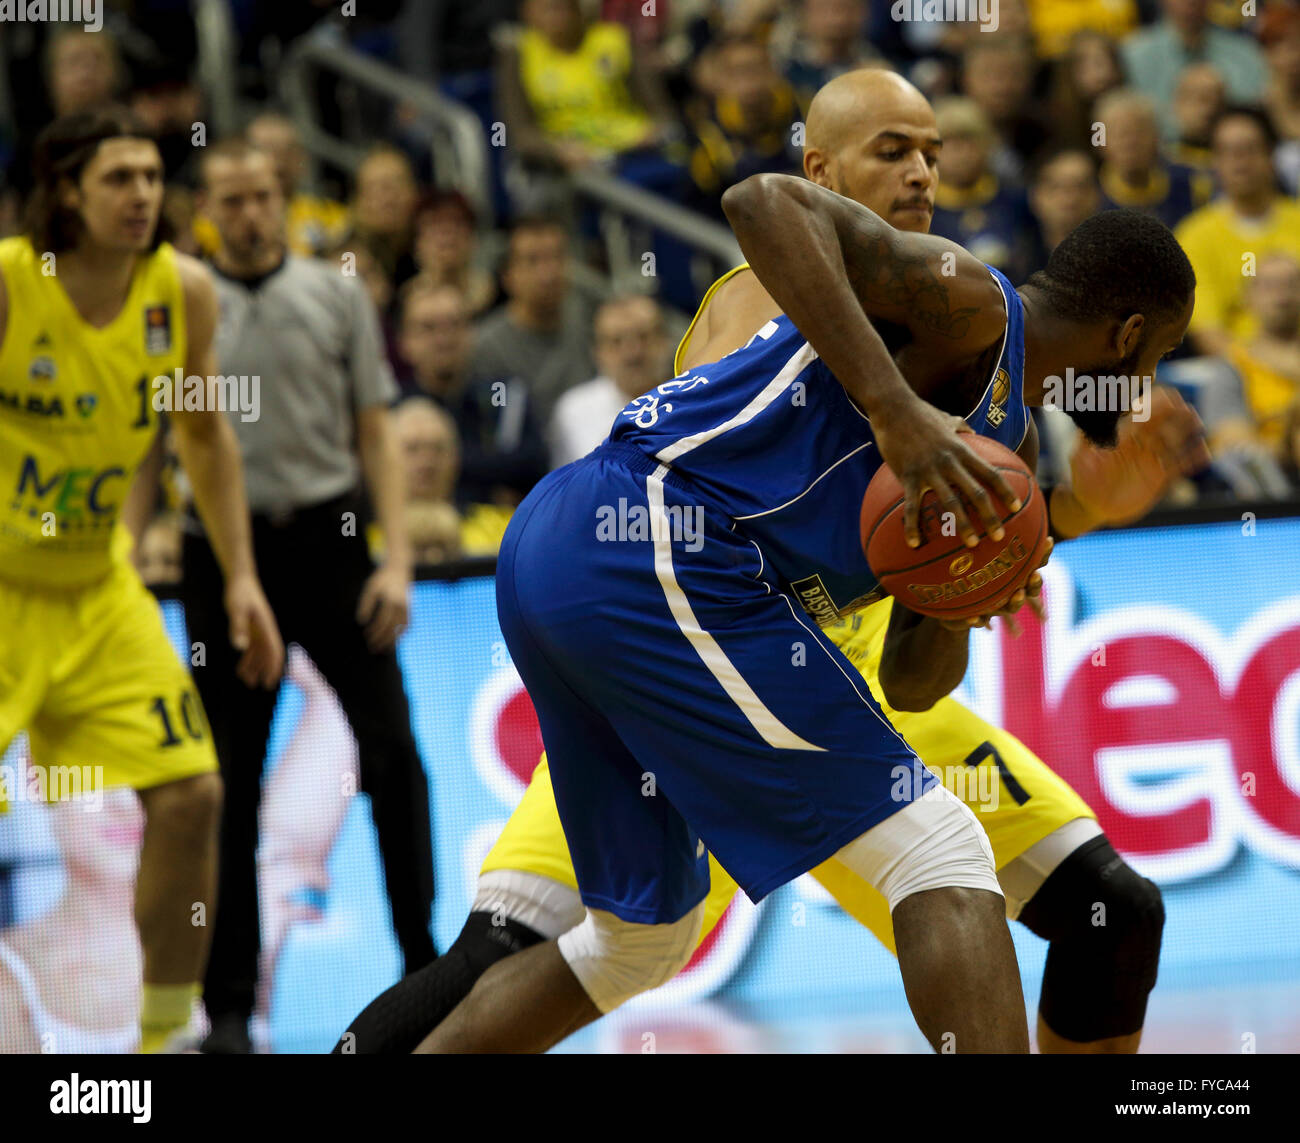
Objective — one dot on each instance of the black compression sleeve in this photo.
(397, 1020)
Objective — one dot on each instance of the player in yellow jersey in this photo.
(872, 136)
(93, 308)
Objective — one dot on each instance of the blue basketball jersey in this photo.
(770, 439)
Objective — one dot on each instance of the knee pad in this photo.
(615, 960)
(1104, 922)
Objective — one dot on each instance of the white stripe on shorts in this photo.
(773, 731)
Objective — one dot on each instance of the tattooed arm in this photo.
(830, 265)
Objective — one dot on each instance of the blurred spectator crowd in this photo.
(508, 365)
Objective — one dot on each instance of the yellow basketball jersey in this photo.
(584, 94)
(76, 413)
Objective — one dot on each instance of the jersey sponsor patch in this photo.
(77, 496)
(30, 404)
(157, 330)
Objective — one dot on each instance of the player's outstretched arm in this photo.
(209, 453)
(921, 661)
(830, 265)
(1112, 486)
(818, 253)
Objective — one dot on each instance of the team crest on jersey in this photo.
(86, 403)
(157, 330)
(42, 369)
(998, 401)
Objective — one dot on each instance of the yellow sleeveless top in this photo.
(583, 94)
(76, 414)
(1268, 393)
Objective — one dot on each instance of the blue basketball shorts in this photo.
(685, 703)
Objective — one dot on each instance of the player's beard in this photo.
(1101, 427)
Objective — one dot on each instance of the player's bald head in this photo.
(871, 135)
(849, 106)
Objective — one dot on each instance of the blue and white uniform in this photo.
(661, 600)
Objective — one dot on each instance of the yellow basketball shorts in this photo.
(91, 676)
(1014, 794)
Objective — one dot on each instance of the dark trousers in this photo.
(313, 575)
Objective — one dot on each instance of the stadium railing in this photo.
(218, 46)
(460, 156)
(625, 213)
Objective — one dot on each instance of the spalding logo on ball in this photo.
(943, 578)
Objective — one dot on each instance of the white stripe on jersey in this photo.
(804, 357)
(773, 731)
(833, 467)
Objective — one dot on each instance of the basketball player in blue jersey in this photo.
(889, 163)
(664, 659)
(872, 136)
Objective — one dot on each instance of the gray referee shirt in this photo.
(312, 337)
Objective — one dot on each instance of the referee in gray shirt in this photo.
(310, 334)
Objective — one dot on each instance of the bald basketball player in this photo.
(871, 136)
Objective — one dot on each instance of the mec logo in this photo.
(68, 492)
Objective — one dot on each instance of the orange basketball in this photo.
(943, 578)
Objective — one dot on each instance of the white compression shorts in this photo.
(936, 842)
